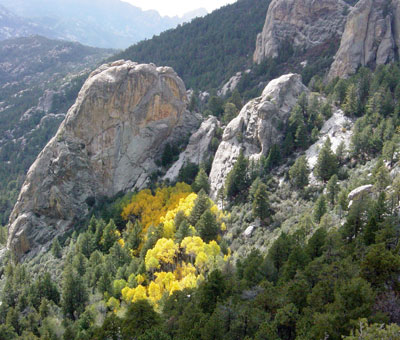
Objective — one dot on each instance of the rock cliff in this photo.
(371, 37)
(108, 142)
(198, 149)
(302, 23)
(257, 127)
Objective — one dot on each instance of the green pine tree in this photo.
(299, 173)
(201, 182)
(207, 226)
(319, 208)
(56, 249)
(332, 189)
(261, 206)
(327, 164)
(237, 181)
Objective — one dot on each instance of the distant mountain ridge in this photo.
(104, 23)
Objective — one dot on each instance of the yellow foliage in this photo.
(223, 226)
(192, 245)
(166, 260)
(149, 208)
(164, 251)
(186, 205)
(121, 242)
(140, 279)
(134, 294)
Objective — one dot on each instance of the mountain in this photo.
(272, 217)
(209, 50)
(148, 106)
(13, 26)
(104, 23)
(40, 79)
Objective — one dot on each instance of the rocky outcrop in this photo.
(371, 37)
(302, 23)
(108, 142)
(338, 129)
(198, 149)
(257, 127)
(230, 85)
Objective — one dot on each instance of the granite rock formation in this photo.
(124, 115)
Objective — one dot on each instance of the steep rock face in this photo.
(198, 149)
(124, 114)
(303, 23)
(257, 127)
(371, 37)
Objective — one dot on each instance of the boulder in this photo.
(358, 192)
(257, 127)
(301, 23)
(124, 115)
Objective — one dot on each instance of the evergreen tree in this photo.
(134, 235)
(139, 317)
(273, 159)
(237, 181)
(351, 105)
(388, 152)
(299, 173)
(74, 293)
(332, 189)
(341, 153)
(56, 249)
(327, 164)
(236, 99)
(183, 231)
(207, 226)
(301, 136)
(201, 182)
(261, 207)
(85, 244)
(201, 204)
(319, 208)
(109, 236)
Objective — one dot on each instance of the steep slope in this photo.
(371, 37)
(209, 50)
(105, 23)
(108, 142)
(39, 80)
(302, 24)
(257, 127)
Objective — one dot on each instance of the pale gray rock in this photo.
(338, 129)
(198, 149)
(359, 192)
(108, 142)
(257, 127)
(371, 37)
(303, 23)
(230, 85)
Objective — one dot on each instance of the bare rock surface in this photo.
(198, 149)
(303, 23)
(257, 127)
(371, 37)
(108, 142)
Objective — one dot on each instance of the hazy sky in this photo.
(178, 7)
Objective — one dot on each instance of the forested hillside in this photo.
(167, 263)
(39, 79)
(209, 50)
